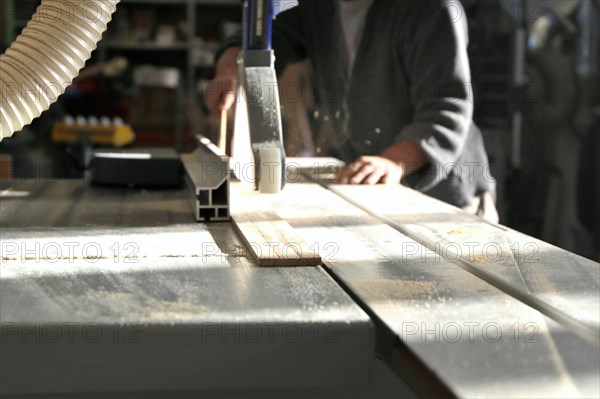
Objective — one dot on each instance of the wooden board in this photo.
(442, 327)
(560, 284)
(157, 288)
(6, 166)
(270, 240)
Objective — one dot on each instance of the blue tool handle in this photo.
(259, 24)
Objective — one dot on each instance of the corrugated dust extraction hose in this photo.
(47, 56)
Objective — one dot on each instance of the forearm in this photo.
(220, 94)
(406, 154)
(439, 72)
(227, 62)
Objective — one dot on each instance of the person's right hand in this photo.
(219, 94)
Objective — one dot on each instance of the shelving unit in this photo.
(195, 27)
(14, 15)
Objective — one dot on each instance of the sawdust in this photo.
(180, 306)
(114, 296)
(455, 232)
(174, 310)
(52, 258)
(386, 290)
(479, 260)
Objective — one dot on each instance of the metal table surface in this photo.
(444, 326)
(561, 286)
(121, 291)
(486, 324)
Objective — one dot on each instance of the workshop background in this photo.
(535, 71)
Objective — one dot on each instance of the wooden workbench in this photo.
(452, 304)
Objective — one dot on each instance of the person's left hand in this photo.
(371, 170)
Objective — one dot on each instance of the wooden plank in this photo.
(269, 239)
(462, 332)
(563, 279)
(218, 328)
(160, 291)
(222, 142)
(560, 284)
(6, 167)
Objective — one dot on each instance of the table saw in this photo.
(119, 292)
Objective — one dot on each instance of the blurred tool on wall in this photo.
(536, 110)
(95, 107)
(562, 94)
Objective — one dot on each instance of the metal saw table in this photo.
(120, 292)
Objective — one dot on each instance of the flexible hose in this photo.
(47, 56)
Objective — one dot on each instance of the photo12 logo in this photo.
(68, 251)
(70, 333)
(467, 331)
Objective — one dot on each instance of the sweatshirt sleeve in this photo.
(434, 52)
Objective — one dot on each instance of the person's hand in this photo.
(402, 158)
(219, 94)
(371, 170)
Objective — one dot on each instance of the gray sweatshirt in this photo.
(410, 81)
